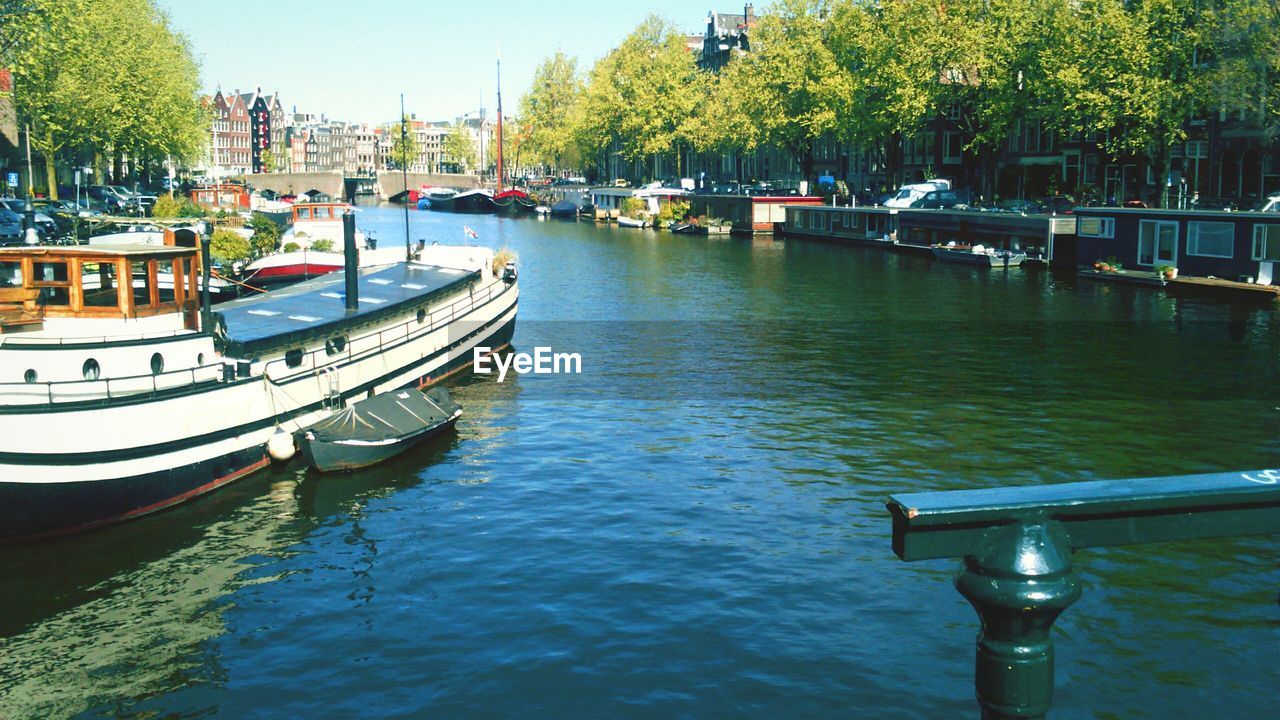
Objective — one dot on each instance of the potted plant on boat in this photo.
(718, 226)
(1167, 272)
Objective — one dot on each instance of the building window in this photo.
(817, 221)
(1266, 243)
(1211, 239)
(1096, 227)
(952, 148)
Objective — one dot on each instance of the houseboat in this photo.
(750, 213)
(119, 400)
(224, 196)
(607, 202)
(1041, 237)
(315, 221)
(1238, 247)
(471, 201)
(870, 224)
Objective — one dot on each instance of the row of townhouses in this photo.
(1226, 156)
(254, 133)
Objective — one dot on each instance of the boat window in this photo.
(52, 279)
(422, 315)
(92, 371)
(304, 213)
(99, 285)
(143, 284)
(335, 345)
(30, 377)
(157, 364)
(293, 358)
(10, 274)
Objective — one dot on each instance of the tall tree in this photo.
(642, 94)
(404, 144)
(459, 148)
(789, 91)
(1130, 70)
(1245, 72)
(549, 108)
(109, 74)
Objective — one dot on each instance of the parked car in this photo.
(64, 215)
(115, 202)
(1271, 204)
(136, 198)
(10, 227)
(46, 228)
(1059, 204)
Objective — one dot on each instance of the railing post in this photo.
(1019, 582)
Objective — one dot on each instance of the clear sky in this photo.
(351, 59)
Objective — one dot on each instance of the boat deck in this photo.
(315, 307)
(1127, 277)
(1224, 288)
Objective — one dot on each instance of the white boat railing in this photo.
(105, 390)
(377, 342)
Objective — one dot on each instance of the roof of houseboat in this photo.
(96, 251)
(317, 307)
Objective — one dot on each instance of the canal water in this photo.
(695, 525)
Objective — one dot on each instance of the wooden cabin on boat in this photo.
(121, 282)
(1235, 246)
(229, 196)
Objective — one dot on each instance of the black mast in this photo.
(404, 176)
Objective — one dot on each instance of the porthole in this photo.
(30, 376)
(422, 315)
(293, 358)
(157, 364)
(335, 345)
(92, 370)
(200, 360)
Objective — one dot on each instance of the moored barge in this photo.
(121, 399)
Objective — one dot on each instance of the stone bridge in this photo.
(389, 183)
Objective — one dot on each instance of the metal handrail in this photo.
(214, 370)
(64, 342)
(1017, 545)
(309, 364)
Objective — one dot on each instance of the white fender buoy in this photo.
(280, 447)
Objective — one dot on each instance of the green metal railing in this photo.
(1017, 544)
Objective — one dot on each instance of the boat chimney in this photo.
(206, 270)
(352, 260)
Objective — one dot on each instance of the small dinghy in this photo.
(377, 429)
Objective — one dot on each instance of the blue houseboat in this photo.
(1235, 246)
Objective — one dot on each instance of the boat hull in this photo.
(36, 501)
(471, 203)
(964, 257)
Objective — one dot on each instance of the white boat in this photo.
(117, 401)
(978, 255)
(313, 222)
(288, 267)
(633, 222)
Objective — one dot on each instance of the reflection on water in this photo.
(695, 525)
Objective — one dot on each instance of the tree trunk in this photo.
(1160, 169)
(893, 161)
(51, 175)
(117, 166)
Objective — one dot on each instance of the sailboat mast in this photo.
(500, 168)
(404, 176)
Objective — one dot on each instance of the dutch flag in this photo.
(466, 230)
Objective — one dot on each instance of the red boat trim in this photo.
(427, 380)
(288, 270)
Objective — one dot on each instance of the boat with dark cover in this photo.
(514, 203)
(472, 201)
(377, 429)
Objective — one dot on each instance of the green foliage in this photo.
(404, 144)
(642, 94)
(788, 92)
(228, 247)
(460, 148)
(673, 211)
(270, 163)
(292, 247)
(634, 207)
(167, 206)
(322, 245)
(266, 235)
(549, 109)
(110, 75)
